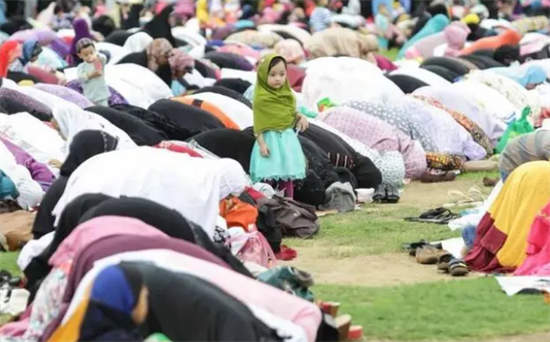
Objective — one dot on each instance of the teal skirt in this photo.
(286, 160)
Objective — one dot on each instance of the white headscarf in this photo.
(71, 120)
(39, 140)
(137, 42)
(30, 192)
(194, 190)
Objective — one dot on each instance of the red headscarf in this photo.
(8, 52)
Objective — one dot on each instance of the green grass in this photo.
(375, 229)
(444, 311)
(8, 262)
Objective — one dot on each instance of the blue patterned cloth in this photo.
(286, 160)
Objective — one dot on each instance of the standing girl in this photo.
(277, 154)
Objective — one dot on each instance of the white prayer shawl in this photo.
(30, 192)
(38, 139)
(192, 186)
(346, 79)
(137, 42)
(138, 85)
(181, 263)
(237, 111)
(491, 100)
(47, 99)
(71, 120)
(116, 52)
(423, 75)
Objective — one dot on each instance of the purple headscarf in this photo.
(81, 30)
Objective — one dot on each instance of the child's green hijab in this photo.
(274, 109)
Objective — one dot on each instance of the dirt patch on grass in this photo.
(368, 270)
(436, 194)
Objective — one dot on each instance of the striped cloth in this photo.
(320, 19)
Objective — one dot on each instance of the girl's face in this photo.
(139, 314)
(277, 75)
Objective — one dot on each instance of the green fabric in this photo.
(274, 109)
(289, 279)
(515, 129)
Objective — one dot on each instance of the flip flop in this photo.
(412, 246)
(443, 262)
(458, 268)
(427, 255)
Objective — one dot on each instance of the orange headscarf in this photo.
(508, 37)
(9, 51)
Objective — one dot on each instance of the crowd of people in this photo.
(155, 153)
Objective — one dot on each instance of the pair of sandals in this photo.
(7, 278)
(454, 266)
(439, 215)
(386, 194)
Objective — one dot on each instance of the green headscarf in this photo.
(274, 109)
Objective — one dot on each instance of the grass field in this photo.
(357, 260)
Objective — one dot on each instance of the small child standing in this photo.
(277, 154)
(90, 72)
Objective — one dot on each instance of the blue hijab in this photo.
(433, 26)
(114, 295)
(533, 74)
(7, 187)
(29, 48)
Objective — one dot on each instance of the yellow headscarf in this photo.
(471, 18)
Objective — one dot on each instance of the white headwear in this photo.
(71, 120)
(137, 42)
(30, 192)
(194, 190)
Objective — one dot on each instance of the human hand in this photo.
(264, 150)
(303, 124)
(55, 163)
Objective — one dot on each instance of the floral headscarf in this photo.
(180, 61)
(158, 49)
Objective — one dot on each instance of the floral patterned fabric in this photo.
(445, 162)
(475, 131)
(379, 135)
(396, 117)
(46, 305)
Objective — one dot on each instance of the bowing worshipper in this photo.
(211, 313)
(189, 119)
(523, 149)
(10, 51)
(434, 25)
(13, 102)
(155, 58)
(29, 54)
(84, 146)
(138, 42)
(528, 76)
(166, 220)
(118, 304)
(305, 317)
(228, 143)
(139, 131)
(69, 120)
(180, 64)
(508, 37)
(66, 94)
(30, 192)
(40, 173)
(501, 235)
(205, 182)
(338, 41)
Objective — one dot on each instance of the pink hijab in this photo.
(425, 47)
(456, 36)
